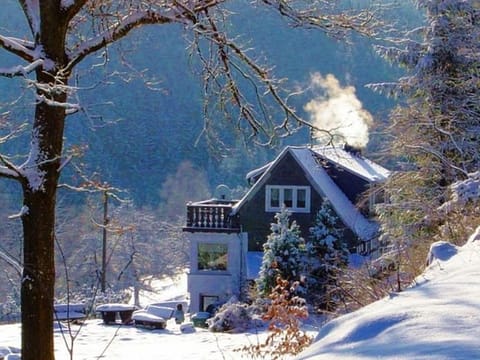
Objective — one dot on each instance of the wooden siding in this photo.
(256, 221)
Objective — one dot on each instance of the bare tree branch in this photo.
(114, 33)
(329, 17)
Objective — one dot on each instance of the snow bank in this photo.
(435, 319)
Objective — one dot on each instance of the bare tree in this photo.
(62, 33)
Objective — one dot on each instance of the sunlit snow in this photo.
(437, 318)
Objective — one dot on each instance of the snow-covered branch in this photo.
(8, 173)
(19, 47)
(116, 32)
(8, 169)
(23, 211)
(326, 17)
(71, 108)
(21, 70)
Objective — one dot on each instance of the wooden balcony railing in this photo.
(211, 217)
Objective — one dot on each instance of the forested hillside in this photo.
(142, 100)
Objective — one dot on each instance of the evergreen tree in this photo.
(326, 255)
(436, 132)
(282, 253)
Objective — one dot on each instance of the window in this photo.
(275, 197)
(295, 198)
(212, 257)
(209, 303)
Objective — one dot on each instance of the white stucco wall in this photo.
(223, 284)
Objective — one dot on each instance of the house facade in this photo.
(227, 236)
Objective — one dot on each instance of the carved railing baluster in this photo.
(210, 216)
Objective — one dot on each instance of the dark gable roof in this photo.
(309, 160)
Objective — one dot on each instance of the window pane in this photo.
(274, 198)
(212, 256)
(301, 198)
(288, 197)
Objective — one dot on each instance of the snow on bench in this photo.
(153, 316)
(69, 312)
(109, 313)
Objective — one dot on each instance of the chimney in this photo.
(354, 150)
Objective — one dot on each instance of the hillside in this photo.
(436, 318)
(142, 100)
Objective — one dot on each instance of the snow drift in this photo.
(437, 318)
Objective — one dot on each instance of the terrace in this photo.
(211, 216)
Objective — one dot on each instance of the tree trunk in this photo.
(39, 191)
(42, 171)
(38, 277)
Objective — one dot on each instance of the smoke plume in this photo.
(338, 111)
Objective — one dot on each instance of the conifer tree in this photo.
(282, 254)
(436, 132)
(326, 255)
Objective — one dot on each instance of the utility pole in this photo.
(104, 242)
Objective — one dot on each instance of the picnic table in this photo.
(111, 312)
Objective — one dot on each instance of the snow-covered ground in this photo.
(438, 318)
(98, 341)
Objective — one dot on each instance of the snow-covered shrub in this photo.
(232, 317)
(281, 254)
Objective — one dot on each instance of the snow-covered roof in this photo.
(307, 158)
(324, 184)
(353, 162)
(258, 171)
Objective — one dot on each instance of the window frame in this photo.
(294, 191)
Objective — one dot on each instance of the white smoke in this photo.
(338, 111)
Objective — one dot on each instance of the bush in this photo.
(284, 314)
(232, 317)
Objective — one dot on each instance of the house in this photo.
(227, 236)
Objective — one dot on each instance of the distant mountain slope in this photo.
(136, 136)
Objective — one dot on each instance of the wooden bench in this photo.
(111, 312)
(153, 317)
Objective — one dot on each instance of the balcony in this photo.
(211, 216)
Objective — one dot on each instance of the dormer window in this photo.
(295, 198)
